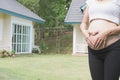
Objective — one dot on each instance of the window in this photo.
(20, 38)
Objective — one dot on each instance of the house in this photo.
(16, 26)
(74, 17)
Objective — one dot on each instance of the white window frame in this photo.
(30, 37)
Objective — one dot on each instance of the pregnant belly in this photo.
(103, 25)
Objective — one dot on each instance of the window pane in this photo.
(18, 47)
(20, 30)
(18, 38)
(27, 47)
(14, 38)
(27, 39)
(14, 47)
(24, 40)
(15, 29)
(23, 29)
(23, 47)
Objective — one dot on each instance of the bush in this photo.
(6, 53)
(35, 50)
(43, 46)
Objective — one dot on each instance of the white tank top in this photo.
(108, 10)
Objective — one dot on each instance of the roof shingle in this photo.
(14, 8)
(74, 14)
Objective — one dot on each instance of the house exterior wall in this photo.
(1, 29)
(79, 43)
(6, 32)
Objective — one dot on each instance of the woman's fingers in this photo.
(96, 42)
(100, 43)
(89, 42)
(93, 33)
(104, 43)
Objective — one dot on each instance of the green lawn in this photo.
(44, 67)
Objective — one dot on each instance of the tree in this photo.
(53, 11)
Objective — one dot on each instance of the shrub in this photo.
(43, 46)
(6, 53)
(35, 50)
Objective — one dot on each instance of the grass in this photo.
(44, 67)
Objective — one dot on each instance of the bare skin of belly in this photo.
(103, 25)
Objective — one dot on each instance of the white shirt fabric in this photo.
(108, 10)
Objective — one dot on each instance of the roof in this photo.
(14, 8)
(74, 15)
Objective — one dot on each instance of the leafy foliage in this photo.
(6, 53)
(53, 11)
(35, 50)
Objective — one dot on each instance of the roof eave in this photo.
(21, 16)
(72, 22)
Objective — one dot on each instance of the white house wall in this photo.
(79, 43)
(1, 25)
(1, 29)
(6, 32)
(21, 21)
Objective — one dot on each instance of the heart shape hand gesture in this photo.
(96, 40)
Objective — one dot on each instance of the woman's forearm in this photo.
(83, 27)
(114, 31)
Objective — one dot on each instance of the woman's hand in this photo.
(100, 39)
(96, 39)
(90, 41)
(93, 33)
(88, 38)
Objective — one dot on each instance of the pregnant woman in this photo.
(100, 27)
